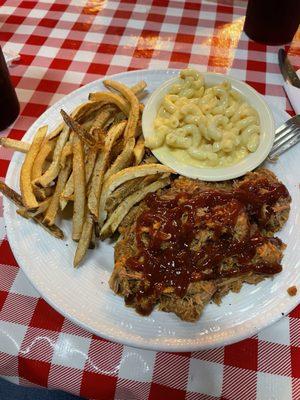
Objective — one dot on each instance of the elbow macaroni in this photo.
(214, 126)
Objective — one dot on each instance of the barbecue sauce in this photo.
(166, 230)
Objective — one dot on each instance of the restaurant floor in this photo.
(10, 391)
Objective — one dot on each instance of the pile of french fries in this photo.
(95, 161)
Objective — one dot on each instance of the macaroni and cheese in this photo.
(205, 126)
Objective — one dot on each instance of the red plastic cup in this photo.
(9, 104)
(272, 22)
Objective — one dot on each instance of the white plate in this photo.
(84, 296)
(177, 160)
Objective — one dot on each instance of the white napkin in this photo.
(10, 56)
(293, 93)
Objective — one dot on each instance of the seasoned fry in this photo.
(67, 151)
(138, 87)
(127, 189)
(123, 159)
(84, 241)
(123, 176)
(13, 144)
(53, 208)
(28, 197)
(52, 172)
(139, 150)
(37, 169)
(100, 167)
(111, 98)
(16, 198)
(67, 192)
(134, 103)
(54, 230)
(79, 188)
(121, 211)
(40, 210)
(86, 111)
(43, 193)
(56, 132)
(84, 135)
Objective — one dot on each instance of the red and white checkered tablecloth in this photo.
(66, 44)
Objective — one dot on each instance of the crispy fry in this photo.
(139, 87)
(16, 198)
(86, 111)
(79, 188)
(123, 159)
(56, 132)
(84, 241)
(102, 118)
(121, 211)
(134, 103)
(53, 208)
(54, 230)
(123, 176)
(100, 167)
(52, 172)
(111, 98)
(67, 151)
(37, 169)
(67, 192)
(98, 133)
(84, 135)
(43, 193)
(40, 210)
(13, 144)
(127, 189)
(28, 196)
(139, 150)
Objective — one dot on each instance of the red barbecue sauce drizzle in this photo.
(177, 265)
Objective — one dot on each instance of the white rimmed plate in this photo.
(84, 296)
(177, 159)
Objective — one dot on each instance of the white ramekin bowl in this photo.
(250, 162)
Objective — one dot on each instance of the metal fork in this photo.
(286, 136)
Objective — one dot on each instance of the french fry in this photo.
(37, 168)
(134, 103)
(123, 159)
(84, 241)
(40, 210)
(13, 144)
(53, 208)
(111, 98)
(100, 167)
(79, 188)
(127, 189)
(121, 211)
(123, 176)
(67, 151)
(84, 135)
(86, 111)
(16, 198)
(67, 192)
(28, 196)
(43, 193)
(139, 150)
(98, 133)
(56, 132)
(138, 87)
(52, 172)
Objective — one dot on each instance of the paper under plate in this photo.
(84, 297)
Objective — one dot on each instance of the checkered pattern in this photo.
(63, 45)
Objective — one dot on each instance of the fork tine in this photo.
(289, 136)
(287, 142)
(283, 132)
